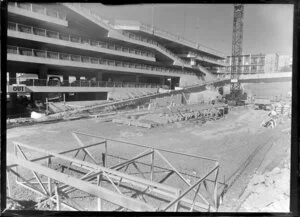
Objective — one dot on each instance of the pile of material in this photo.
(268, 192)
(174, 115)
(133, 122)
(173, 100)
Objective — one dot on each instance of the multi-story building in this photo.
(88, 57)
(284, 61)
(252, 64)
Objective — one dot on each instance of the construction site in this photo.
(152, 130)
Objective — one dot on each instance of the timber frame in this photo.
(110, 184)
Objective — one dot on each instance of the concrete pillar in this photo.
(99, 76)
(137, 78)
(12, 78)
(43, 71)
(66, 78)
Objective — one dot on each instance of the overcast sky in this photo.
(267, 28)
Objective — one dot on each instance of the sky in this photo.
(268, 28)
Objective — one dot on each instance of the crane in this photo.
(236, 95)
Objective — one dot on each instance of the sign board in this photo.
(18, 89)
(234, 80)
(15, 88)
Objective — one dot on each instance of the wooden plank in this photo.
(98, 167)
(86, 151)
(189, 189)
(63, 152)
(97, 191)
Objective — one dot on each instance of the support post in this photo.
(49, 179)
(99, 200)
(57, 197)
(47, 106)
(8, 184)
(152, 164)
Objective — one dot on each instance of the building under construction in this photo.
(71, 50)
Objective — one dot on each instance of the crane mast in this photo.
(237, 48)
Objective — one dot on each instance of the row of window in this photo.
(85, 59)
(38, 9)
(75, 39)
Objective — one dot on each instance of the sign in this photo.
(234, 80)
(16, 88)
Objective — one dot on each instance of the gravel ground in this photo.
(231, 140)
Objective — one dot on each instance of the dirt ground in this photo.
(238, 141)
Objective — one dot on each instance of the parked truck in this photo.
(264, 104)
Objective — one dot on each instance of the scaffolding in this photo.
(122, 176)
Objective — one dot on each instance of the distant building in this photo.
(253, 64)
(284, 61)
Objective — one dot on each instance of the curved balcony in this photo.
(78, 40)
(37, 12)
(90, 61)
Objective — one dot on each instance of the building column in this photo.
(99, 76)
(137, 79)
(43, 71)
(66, 78)
(12, 78)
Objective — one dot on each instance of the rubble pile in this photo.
(268, 192)
(172, 115)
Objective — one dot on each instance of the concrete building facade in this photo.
(83, 50)
(252, 64)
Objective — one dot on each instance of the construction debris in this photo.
(268, 192)
(175, 114)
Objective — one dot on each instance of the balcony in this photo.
(79, 83)
(207, 59)
(77, 40)
(90, 62)
(37, 12)
(136, 25)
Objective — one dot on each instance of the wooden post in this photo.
(57, 197)
(177, 204)
(99, 200)
(49, 179)
(152, 164)
(47, 106)
(16, 155)
(105, 156)
(8, 183)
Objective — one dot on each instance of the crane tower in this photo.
(237, 47)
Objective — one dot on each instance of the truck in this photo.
(263, 103)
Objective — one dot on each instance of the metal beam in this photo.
(97, 191)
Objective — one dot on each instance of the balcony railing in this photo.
(208, 59)
(86, 59)
(79, 83)
(75, 39)
(38, 9)
(163, 33)
(152, 42)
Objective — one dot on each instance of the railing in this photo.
(85, 59)
(38, 9)
(109, 24)
(152, 42)
(151, 29)
(80, 83)
(72, 38)
(208, 59)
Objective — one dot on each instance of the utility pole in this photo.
(152, 18)
(237, 47)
